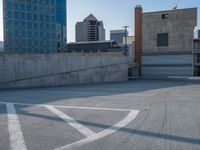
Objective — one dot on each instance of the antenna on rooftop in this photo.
(126, 46)
(175, 5)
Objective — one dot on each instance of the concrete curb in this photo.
(166, 78)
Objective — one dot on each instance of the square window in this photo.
(9, 14)
(35, 26)
(22, 15)
(47, 18)
(22, 6)
(162, 39)
(23, 24)
(15, 5)
(29, 25)
(35, 17)
(41, 26)
(47, 2)
(47, 10)
(28, 7)
(35, 8)
(165, 16)
(41, 18)
(29, 16)
(16, 24)
(9, 5)
(16, 15)
(53, 2)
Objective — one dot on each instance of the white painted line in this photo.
(74, 92)
(108, 89)
(71, 107)
(16, 136)
(75, 124)
(94, 108)
(129, 118)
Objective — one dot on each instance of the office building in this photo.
(118, 35)
(198, 34)
(94, 46)
(161, 46)
(196, 56)
(1, 46)
(35, 26)
(130, 44)
(90, 29)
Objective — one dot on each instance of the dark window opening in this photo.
(162, 39)
(165, 16)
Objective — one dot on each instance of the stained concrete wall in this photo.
(40, 70)
(167, 65)
(179, 25)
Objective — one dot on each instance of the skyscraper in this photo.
(118, 35)
(90, 30)
(35, 26)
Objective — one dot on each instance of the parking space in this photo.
(29, 124)
(139, 114)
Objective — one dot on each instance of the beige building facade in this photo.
(168, 31)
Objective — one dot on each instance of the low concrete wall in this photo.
(38, 70)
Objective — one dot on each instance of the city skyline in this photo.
(78, 9)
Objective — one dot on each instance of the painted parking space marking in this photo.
(72, 92)
(128, 119)
(75, 124)
(16, 136)
(72, 107)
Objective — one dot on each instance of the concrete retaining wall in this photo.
(20, 71)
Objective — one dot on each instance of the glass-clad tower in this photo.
(35, 26)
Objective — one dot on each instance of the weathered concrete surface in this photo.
(179, 26)
(55, 70)
(168, 120)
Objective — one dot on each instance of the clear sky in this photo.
(114, 13)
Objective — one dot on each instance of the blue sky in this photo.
(114, 13)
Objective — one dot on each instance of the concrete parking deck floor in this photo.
(134, 115)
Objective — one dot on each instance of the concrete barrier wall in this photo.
(58, 69)
(167, 65)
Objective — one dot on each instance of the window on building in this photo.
(28, 6)
(41, 26)
(15, 5)
(22, 15)
(35, 26)
(35, 8)
(29, 25)
(162, 39)
(23, 24)
(53, 2)
(47, 2)
(41, 18)
(16, 15)
(29, 16)
(9, 14)
(198, 58)
(9, 5)
(22, 6)
(35, 16)
(165, 16)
